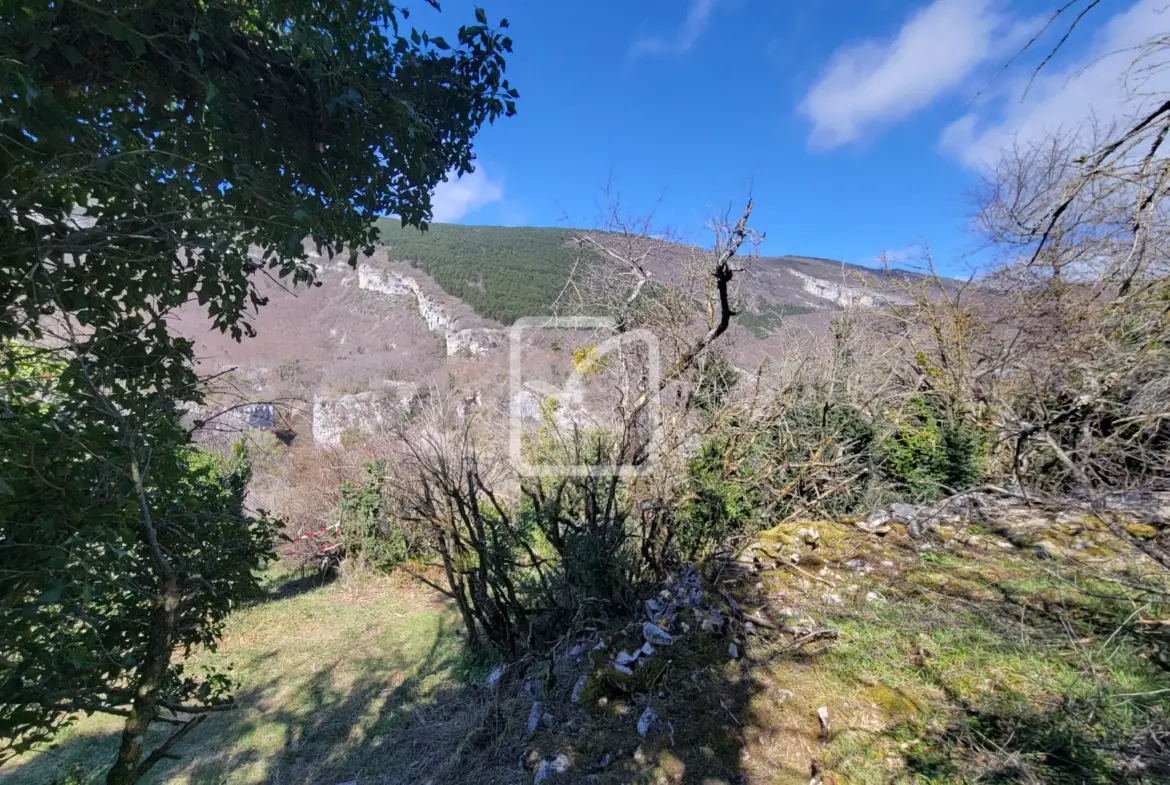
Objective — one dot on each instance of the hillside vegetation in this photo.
(508, 272)
(504, 273)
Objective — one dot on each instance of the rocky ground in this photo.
(984, 640)
(981, 639)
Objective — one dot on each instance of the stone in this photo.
(873, 596)
(646, 720)
(534, 717)
(903, 513)
(647, 649)
(621, 668)
(823, 716)
(578, 688)
(1046, 550)
(710, 622)
(625, 658)
(733, 651)
(878, 522)
(915, 529)
(654, 634)
(558, 765)
(809, 535)
(475, 342)
(547, 720)
(783, 696)
(363, 412)
(833, 599)
(385, 282)
(494, 677)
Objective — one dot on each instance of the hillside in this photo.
(505, 273)
(428, 310)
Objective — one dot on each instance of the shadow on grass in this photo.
(1027, 681)
(1057, 745)
(421, 713)
(307, 580)
(1047, 674)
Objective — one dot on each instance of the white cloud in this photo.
(1063, 100)
(897, 256)
(682, 39)
(872, 84)
(457, 197)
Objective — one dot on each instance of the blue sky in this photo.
(860, 126)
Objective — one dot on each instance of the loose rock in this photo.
(578, 688)
(1046, 550)
(534, 717)
(646, 720)
(903, 513)
(656, 635)
(878, 522)
(558, 765)
(494, 677)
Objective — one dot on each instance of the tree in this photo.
(153, 153)
(82, 620)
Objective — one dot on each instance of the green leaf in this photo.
(481, 16)
(51, 595)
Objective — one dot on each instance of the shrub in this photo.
(717, 378)
(926, 457)
(369, 532)
(811, 460)
(718, 505)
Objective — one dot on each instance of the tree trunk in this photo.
(145, 709)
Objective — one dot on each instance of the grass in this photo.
(984, 667)
(973, 665)
(350, 680)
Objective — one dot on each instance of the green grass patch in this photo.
(335, 683)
